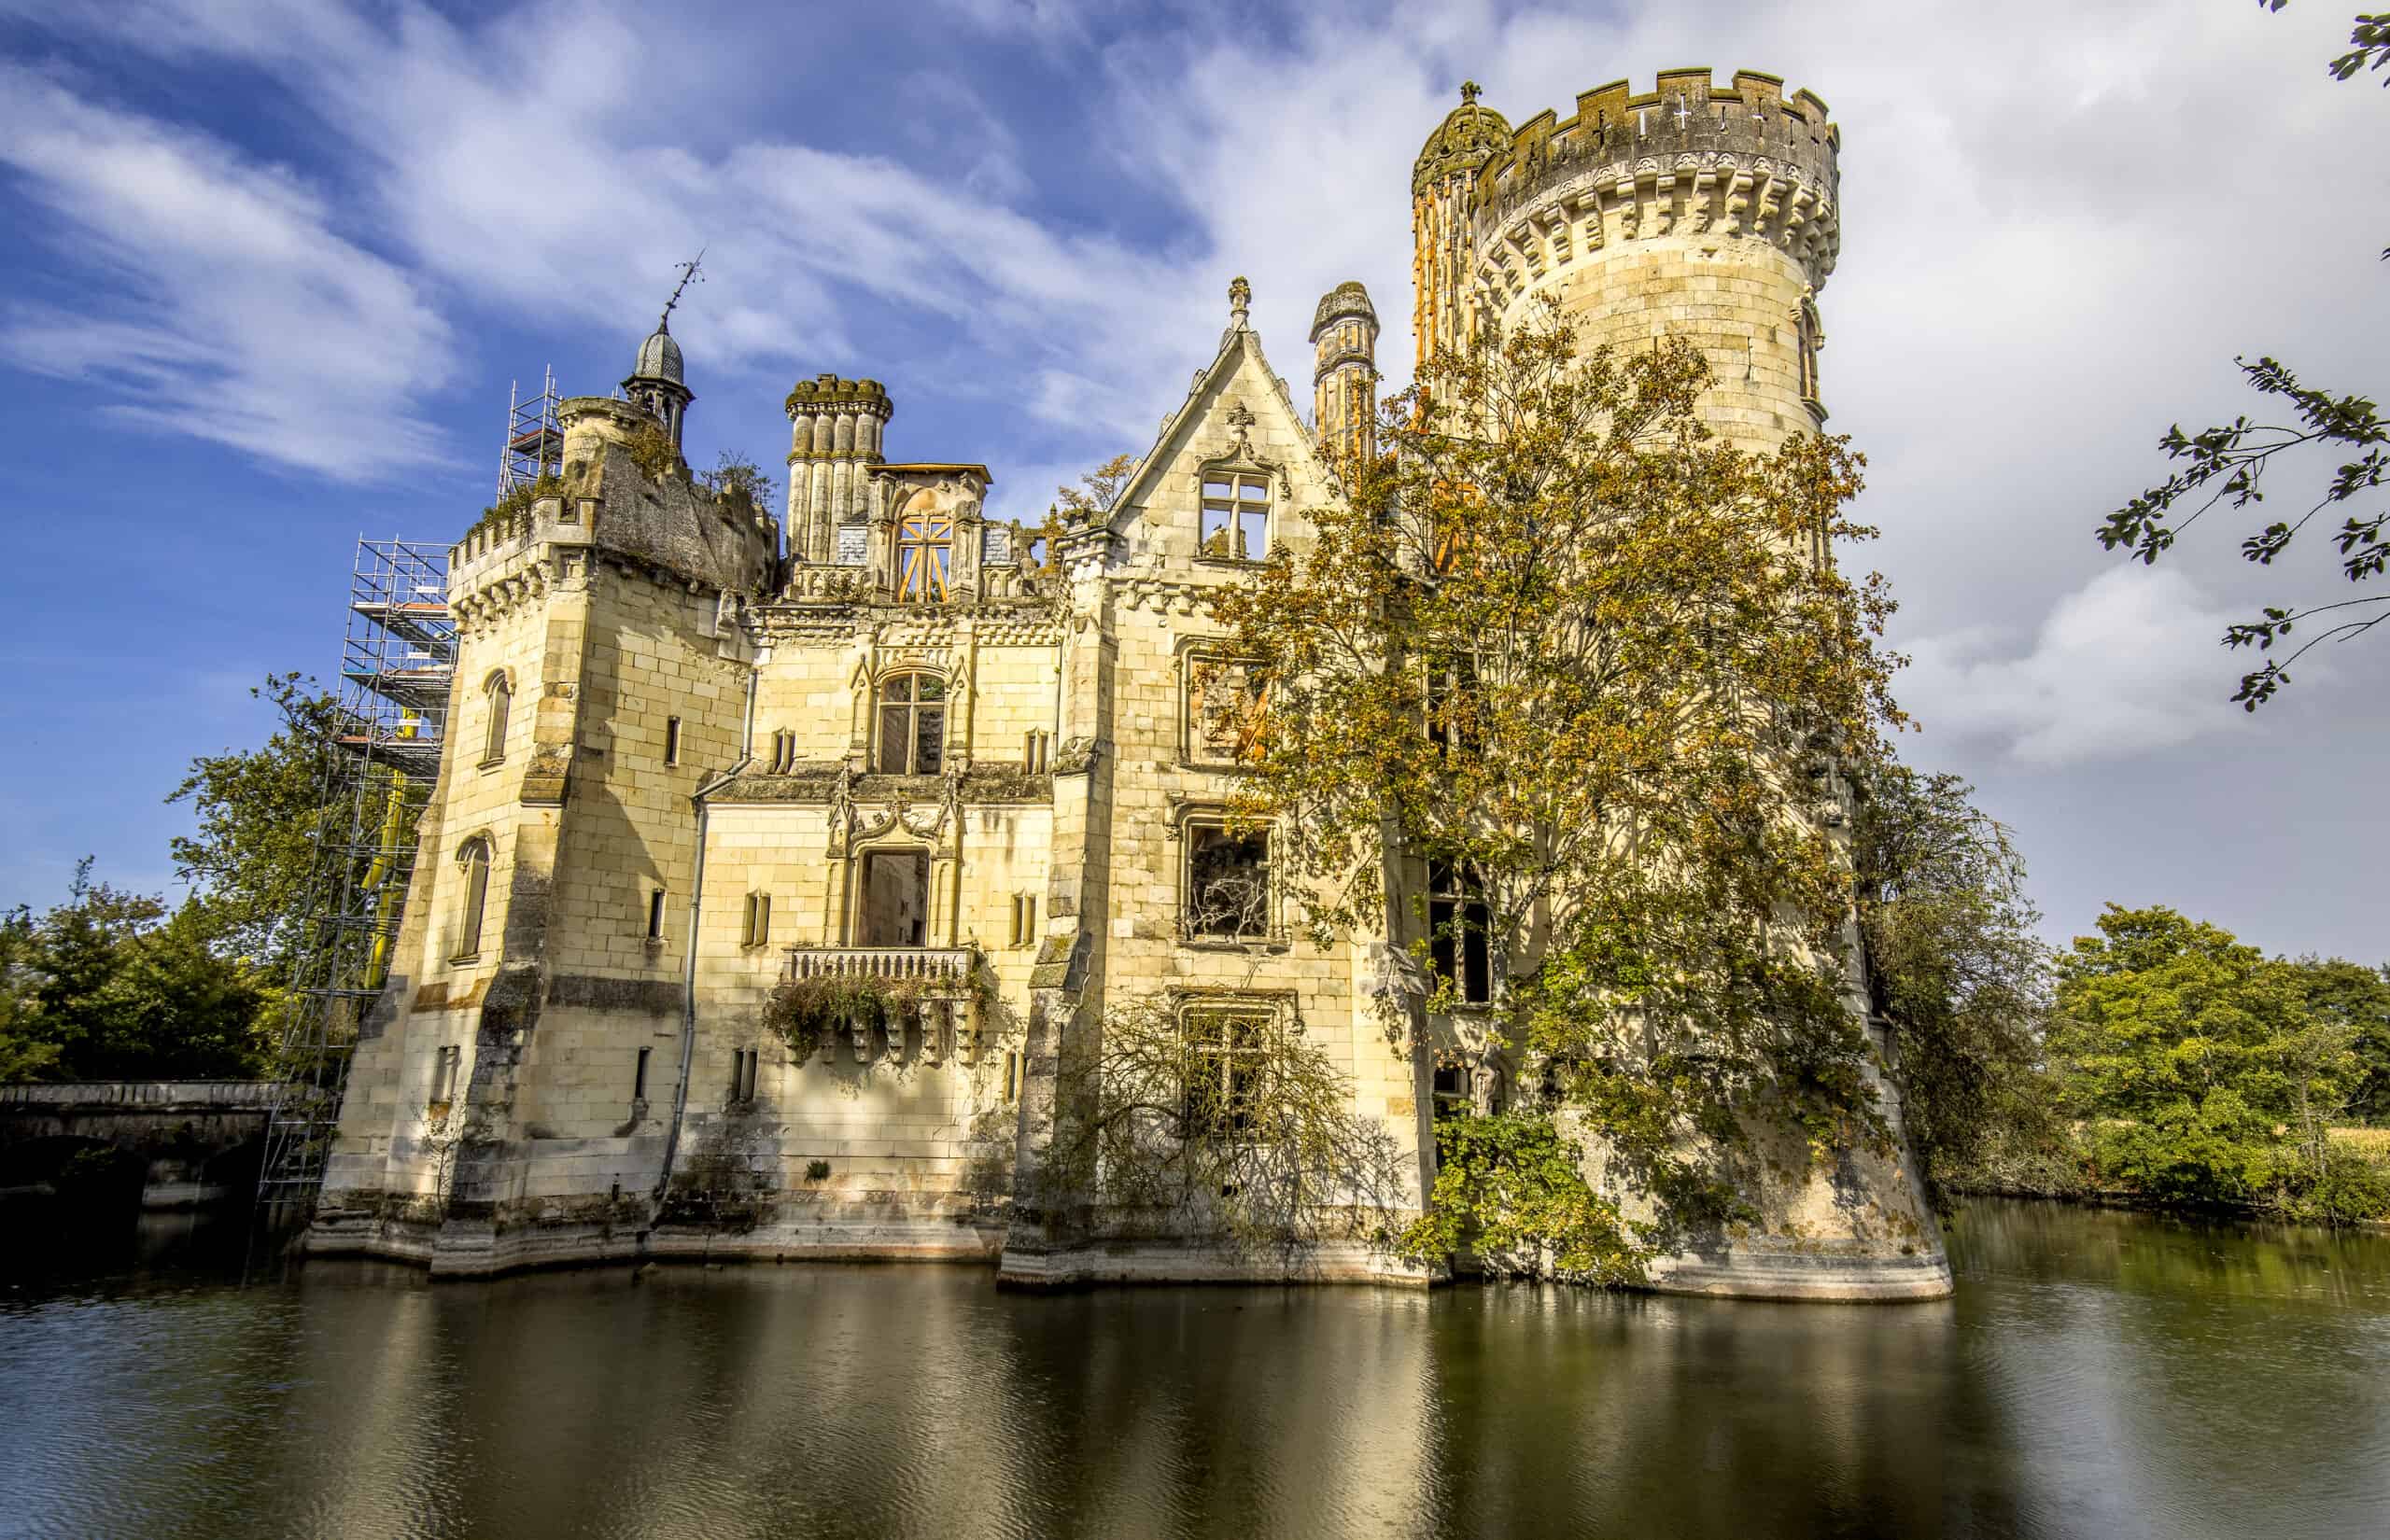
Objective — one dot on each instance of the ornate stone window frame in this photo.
(1195, 655)
(1186, 822)
(1238, 469)
(945, 705)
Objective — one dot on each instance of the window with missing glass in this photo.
(1236, 516)
(912, 725)
(1225, 703)
(1227, 883)
(1229, 1047)
(1459, 943)
(924, 556)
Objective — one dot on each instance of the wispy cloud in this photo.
(226, 306)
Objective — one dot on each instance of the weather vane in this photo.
(688, 270)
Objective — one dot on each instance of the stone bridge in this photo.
(202, 1140)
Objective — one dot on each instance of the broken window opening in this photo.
(1227, 882)
(1236, 518)
(924, 556)
(1231, 1053)
(894, 907)
(1459, 939)
(446, 1067)
(1226, 703)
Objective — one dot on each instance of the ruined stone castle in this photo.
(695, 751)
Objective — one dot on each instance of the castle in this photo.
(689, 760)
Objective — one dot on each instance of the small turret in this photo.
(1441, 179)
(836, 427)
(655, 385)
(1344, 375)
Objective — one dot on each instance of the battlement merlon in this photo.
(1696, 158)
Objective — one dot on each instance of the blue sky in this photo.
(273, 266)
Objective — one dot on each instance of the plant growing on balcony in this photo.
(802, 1013)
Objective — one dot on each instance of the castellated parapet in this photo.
(1699, 211)
(836, 427)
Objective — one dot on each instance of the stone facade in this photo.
(912, 746)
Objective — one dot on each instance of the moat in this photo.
(2097, 1374)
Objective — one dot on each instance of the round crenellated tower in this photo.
(836, 426)
(1699, 211)
(1344, 370)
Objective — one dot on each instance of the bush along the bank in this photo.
(2201, 1073)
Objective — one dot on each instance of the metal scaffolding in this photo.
(397, 659)
(534, 436)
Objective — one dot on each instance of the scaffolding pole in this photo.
(534, 436)
(398, 657)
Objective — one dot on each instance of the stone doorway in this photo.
(894, 908)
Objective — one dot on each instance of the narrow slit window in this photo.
(446, 1070)
(501, 703)
(639, 1075)
(756, 928)
(783, 752)
(655, 914)
(472, 861)
(672, 740)
(742, 1074)
(1236, 518)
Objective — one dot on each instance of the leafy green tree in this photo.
(2356, 996)
(2227, 465)
(1561, 642)
(1511, 1188)
(2200, 1071)
(260, 811)
(1954, 963)
(112, 986)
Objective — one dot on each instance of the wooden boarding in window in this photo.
(924, 555)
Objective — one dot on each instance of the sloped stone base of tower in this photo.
(1032, 1262)
(1855, 1229)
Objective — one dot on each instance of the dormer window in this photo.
(1236, 517)
(924, 556)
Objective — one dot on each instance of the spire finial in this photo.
(688, 272)
(1240, 298)
(1469, 94)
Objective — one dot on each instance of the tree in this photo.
(1954, 965)
(739, 481)
(111, 986)
(2201, 1072)
(2227, 465)
(2351, 995)
(260, 813)
(1221, 1122)
(1563, 646)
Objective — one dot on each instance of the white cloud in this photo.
(236, 311)
(2125, 664)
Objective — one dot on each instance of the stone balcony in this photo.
(938, 980)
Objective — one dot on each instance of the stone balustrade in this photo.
(938, 979)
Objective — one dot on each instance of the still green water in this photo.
(2098, 1374)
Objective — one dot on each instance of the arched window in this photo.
(501, 698)
(912, 724)
(924, 555)
(474, 861)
